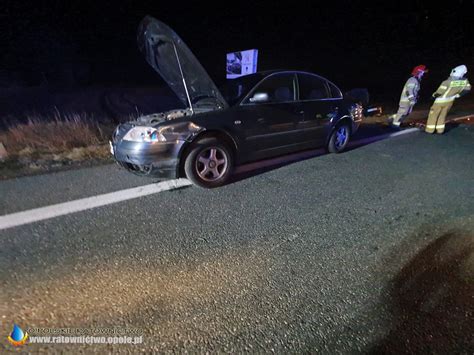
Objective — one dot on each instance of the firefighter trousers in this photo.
(404, 110)
(437, 117)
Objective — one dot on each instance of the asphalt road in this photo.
(367, 251)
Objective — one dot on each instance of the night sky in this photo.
(351, 43)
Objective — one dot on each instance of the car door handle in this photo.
(301, 119)
(261, 120)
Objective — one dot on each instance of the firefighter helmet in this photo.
(419, 69)
(459, 71)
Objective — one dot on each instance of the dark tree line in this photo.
(87, 42)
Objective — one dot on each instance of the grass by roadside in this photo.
(53, 143)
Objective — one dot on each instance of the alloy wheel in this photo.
(211, 163)
(341, 137)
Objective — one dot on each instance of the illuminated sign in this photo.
(241, 63)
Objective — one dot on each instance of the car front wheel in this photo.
(339, 139)
(209, 163)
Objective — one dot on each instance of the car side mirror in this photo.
(259, 97)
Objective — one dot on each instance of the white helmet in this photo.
(459, 71)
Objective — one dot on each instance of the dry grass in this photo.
(45, 144)
(57, 134)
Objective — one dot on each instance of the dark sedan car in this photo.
(253, 117)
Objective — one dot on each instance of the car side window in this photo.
(278, 87)
(312, 87)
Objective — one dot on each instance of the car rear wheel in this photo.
(339, 138)
(209, 163)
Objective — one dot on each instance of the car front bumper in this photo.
(157, 159)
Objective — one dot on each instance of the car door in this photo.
(317, 107)
(268, 115)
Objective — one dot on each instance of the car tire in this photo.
(209, 163)
(339, 138)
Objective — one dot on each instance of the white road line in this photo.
(382, 136)
(405, 131)
(60, 209)
(468, 117)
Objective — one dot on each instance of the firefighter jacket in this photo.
(451, 89)
(410, 91)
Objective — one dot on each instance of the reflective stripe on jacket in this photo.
(410, 90)
(451, 88)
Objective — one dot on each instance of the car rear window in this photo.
(312, 87)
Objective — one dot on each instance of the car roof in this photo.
(265, 73)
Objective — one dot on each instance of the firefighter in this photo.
(450, 89)
(409, 96)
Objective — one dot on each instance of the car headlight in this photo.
(144, 134)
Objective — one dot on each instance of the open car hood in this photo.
(166, 52)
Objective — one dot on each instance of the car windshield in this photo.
(234, 90)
